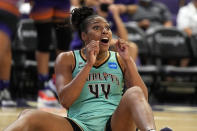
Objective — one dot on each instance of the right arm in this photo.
(69, 88)
(130, 9)
(121, 30)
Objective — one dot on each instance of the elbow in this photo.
(125, 35)
(64, 101)
(64, 104)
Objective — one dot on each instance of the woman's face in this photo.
(98, 29)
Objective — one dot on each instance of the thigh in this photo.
(44, 121)
(121, 119)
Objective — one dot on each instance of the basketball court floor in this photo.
(178, 118)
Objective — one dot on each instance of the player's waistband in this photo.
(9, 8)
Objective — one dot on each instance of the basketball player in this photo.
(49, 15)
(9, 17)
(90, 83)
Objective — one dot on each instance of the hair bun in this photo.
(79, 15)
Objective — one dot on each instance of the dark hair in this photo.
(79, 18)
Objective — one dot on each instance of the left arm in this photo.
(168, 23)
(121, 30)
(166, 15)
(132, 77)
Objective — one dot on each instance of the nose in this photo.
(105, 31)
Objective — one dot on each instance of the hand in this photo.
(92, 50)
(122, 48)
(144, 23)
(114, 9)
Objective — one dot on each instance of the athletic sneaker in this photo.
(51, 86)
(47, 98)
(166, 129)
(6, 100)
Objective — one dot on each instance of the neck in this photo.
(100, 56)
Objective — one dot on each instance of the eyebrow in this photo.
(95, 22)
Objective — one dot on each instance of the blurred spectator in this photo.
(125, 16)
(108, 10)
(9, 17)
(187, 21)
(187, 18)
(147, 14)
(150, 13)
(49, 14)
(126, 2)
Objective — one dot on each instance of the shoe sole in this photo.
(47, 103)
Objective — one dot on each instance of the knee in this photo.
(134, 94)
(24, 112)
(29, 118)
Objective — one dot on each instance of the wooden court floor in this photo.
(179, 118)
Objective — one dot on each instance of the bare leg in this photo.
(42, 61)
(5, 56)
(36, 120)
(133, 110)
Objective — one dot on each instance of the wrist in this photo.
(89, 64)
(126, 60)
(116, 15)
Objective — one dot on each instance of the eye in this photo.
(108, 27)
(96, 27)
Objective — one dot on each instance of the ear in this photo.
(83, 36)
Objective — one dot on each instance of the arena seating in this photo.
(171, 44)
(145, 68)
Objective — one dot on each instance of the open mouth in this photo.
(104, 40)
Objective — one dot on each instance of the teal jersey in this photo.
(101, 93)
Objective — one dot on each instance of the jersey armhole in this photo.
(73, 53)
(119, 63)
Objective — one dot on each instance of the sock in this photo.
(4, 84)
(42, 80)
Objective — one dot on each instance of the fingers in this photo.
(114, 9)
(93, 47)
(121, 44)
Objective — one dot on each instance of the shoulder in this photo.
(65, 55)
(159, 5)
(187, 7)
(183, 11)
(65, 59)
